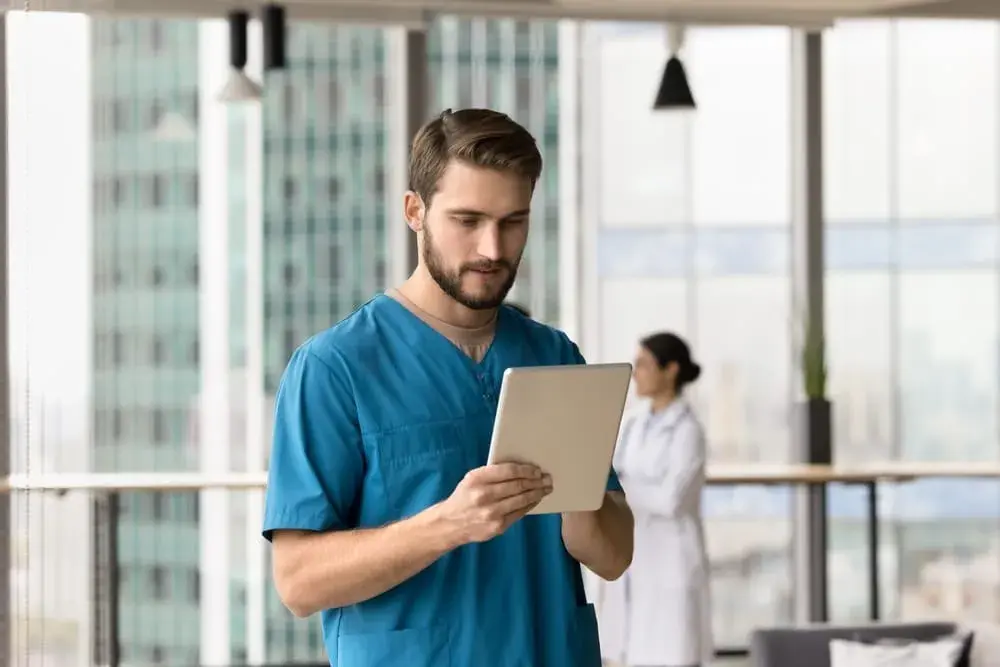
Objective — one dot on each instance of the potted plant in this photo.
(815, 414)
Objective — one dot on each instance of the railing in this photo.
(109, 489)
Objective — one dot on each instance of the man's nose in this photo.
(489, 243)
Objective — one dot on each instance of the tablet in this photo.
(565, 420)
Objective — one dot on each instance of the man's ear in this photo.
(414, 210)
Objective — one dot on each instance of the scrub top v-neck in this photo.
(377, 419)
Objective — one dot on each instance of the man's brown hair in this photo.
(478, 137)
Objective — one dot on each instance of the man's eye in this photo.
(470, 222)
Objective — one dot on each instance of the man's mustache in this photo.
(487, 266)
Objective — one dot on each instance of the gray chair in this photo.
(809, 646)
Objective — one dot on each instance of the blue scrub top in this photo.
(379, 418)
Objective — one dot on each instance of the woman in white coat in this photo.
(658, 613)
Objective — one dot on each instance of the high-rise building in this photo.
(145, 318)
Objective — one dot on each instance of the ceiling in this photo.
(801, 13)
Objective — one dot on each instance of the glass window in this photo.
(635, 307)
(118, 190)
(158, 582)
(744, 395)
(290, 274)
(857, 126)
(859, 336)
(948, 366)
(334, 98)
(119, 116)
(159, 351)
(159, 426)
(947, 129)
(117, 348)
(638, 185)
(160, 507)
(742, 102)
(156, 39)
(194, 585)
(191, 190)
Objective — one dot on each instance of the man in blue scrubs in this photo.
(382, 513)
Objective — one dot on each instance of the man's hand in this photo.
(490, 499)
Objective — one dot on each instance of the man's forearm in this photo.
(601, 540)
(316, 571)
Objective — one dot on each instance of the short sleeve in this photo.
(316, 466)
(575, 357)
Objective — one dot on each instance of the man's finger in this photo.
(522, 502)
(501, 472)
(502, 490)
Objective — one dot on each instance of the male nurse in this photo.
(382, 512)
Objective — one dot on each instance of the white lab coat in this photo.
(658, 612)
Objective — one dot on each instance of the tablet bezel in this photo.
(580, 491)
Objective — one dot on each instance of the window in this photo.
(156, 655)
(161, 508)
(153, 191)
(289, 100)
(333, 98)
(119, 116)
(159, 351)
(378, 91)
(158, 582)
(290, 275)
(193, 273)
(379, 182)
(334, 266)
(289, 186)
(159, 426)
(117, 425)
(191, 190)
(118, 191)
(157, 276)
(156, 39)
(194, 585)
(154, 114)
(291, 342)
(333, 188)
(117, 348)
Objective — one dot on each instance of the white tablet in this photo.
(565, 420)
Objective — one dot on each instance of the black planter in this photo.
(814, 431)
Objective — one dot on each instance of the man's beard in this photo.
(451, 282)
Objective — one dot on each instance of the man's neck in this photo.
(427, 295)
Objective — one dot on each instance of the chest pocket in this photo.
(420, 465)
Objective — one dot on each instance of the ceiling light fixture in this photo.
(239, 87)
(674, 91)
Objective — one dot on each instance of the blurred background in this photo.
(168, 252)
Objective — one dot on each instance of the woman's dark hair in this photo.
(666, 348)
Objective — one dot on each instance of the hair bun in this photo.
(693, 372)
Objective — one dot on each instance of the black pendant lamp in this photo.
(272, 18)
(674, 92)
(239, 87)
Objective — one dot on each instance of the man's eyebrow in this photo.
(472, 213)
